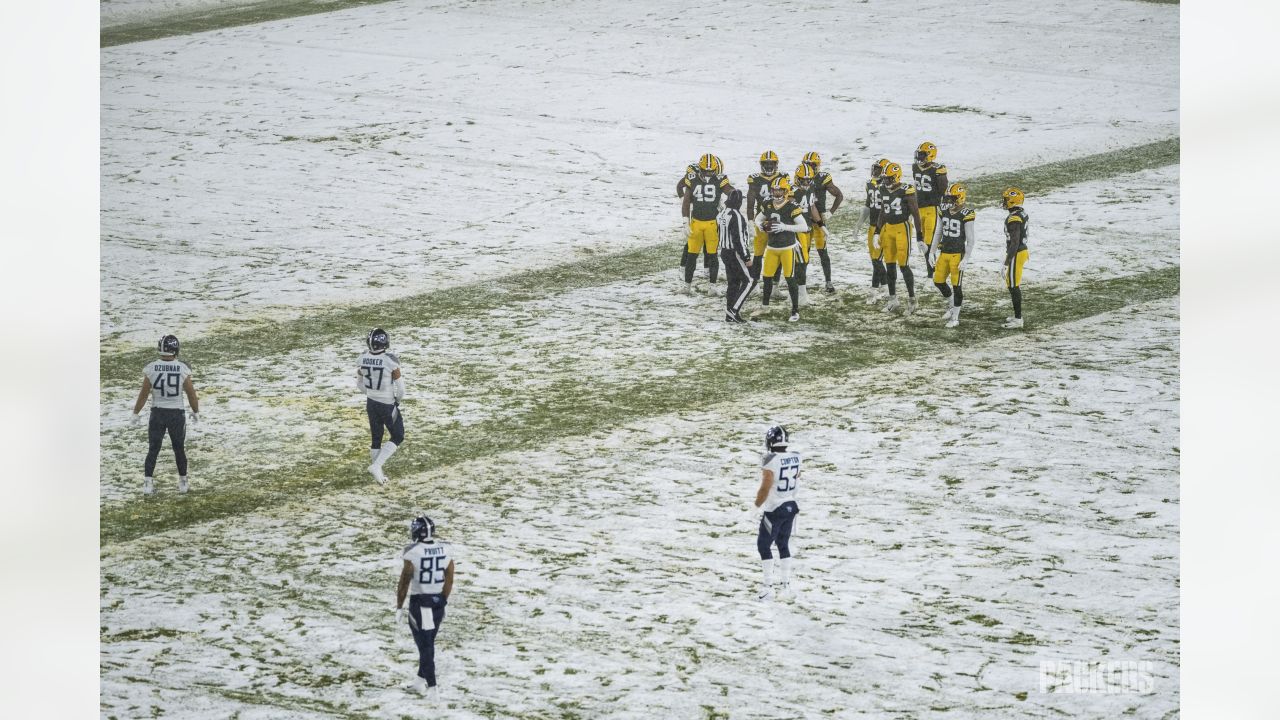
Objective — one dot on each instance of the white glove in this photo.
(136, 420)
(875, 241)
(826, 216)
(400, 613)
(195, 417)
(924, 251)
(687, 229)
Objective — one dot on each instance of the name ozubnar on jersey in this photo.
(167, 368)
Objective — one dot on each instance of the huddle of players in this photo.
(795, 215)
(792, 220)
(943, 223)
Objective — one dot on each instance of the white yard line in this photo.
(254, 172)
(1024, 490)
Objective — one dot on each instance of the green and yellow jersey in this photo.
(787, 213)
(1016, 221)
(705, 194)
(931, 179)
(893, 203)
(952, 228)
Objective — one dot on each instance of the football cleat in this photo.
(422, 529)
(168, 345)
(891, 305)
(795, 317)
(182, 486)
(768, 162)
(765, 594)
(954, 319)
(378, 340)
(1013, 323)
(911, 306)
(926, 152)
(1012, 198)
(829, 288)
(688, 289)
(377, 474)
(148, 486)
(802, 296)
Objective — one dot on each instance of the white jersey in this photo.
(375, 371)
(786, 478)
(167, 378)
(429, 562)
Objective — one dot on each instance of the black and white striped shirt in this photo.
(734, 239)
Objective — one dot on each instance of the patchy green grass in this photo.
(198, 21)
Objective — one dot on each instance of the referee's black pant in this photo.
(739, 277)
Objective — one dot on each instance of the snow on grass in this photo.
(964, 516)
(254, 172)
(271, 409)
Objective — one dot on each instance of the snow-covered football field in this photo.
(975, 502)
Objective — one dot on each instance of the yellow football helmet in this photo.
(781, 185)
(707, 163)
(877, 168)
(768, 158)
(892, 173)
(956, 195)
(804, 173)
(1013, 197)
(926, 152)
(813, 159)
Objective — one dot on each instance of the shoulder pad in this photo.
(1013, 217)
(908, 189)
(394, 358)
(723, 181)
(942, 169)
(796, 211)
(407, 548)
(969, 214)
(768, 458)
(754, 177)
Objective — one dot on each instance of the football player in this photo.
(166, 380)
(782, 219)
(758, 194)
(779, 485)
(954, 243)
(378, 377)
(700, 206)
(686, 181)
(822, 186)
(870, 212)
(897, 206)
(1015, 254)
(802, 193)
(426, 578)
(931, 181)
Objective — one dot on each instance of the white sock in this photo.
(767, 566)
(785, 564)
(373, 454)
(388, 449)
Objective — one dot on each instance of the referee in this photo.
(736, 253)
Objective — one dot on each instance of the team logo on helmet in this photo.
(956, 195)
(775, 437)
(1013, 197)
(926, 152)
(892, 173)
(422, 529)
(378, 340)
(168, 345)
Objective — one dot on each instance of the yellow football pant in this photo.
(948, 266)
(703, 234)
(819, 235)
(928, 222)
(871, 246)
(893, 241)
(803, 239)
(1014, 279)
(759, 242)
(773, 257)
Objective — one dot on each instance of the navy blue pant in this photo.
(422, 607)
(775, 527)
(174, 422)
(384, 417)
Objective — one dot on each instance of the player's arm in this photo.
(397, 385)
(448, 580)
(142, 395)
(685, 205)
(189, 388)
(1013, 228)
(751, 201)
(942, 179)
(402, 589)
(969, 237)
(799, 224)
(835, 193)
(913, 205)
(766, 481)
